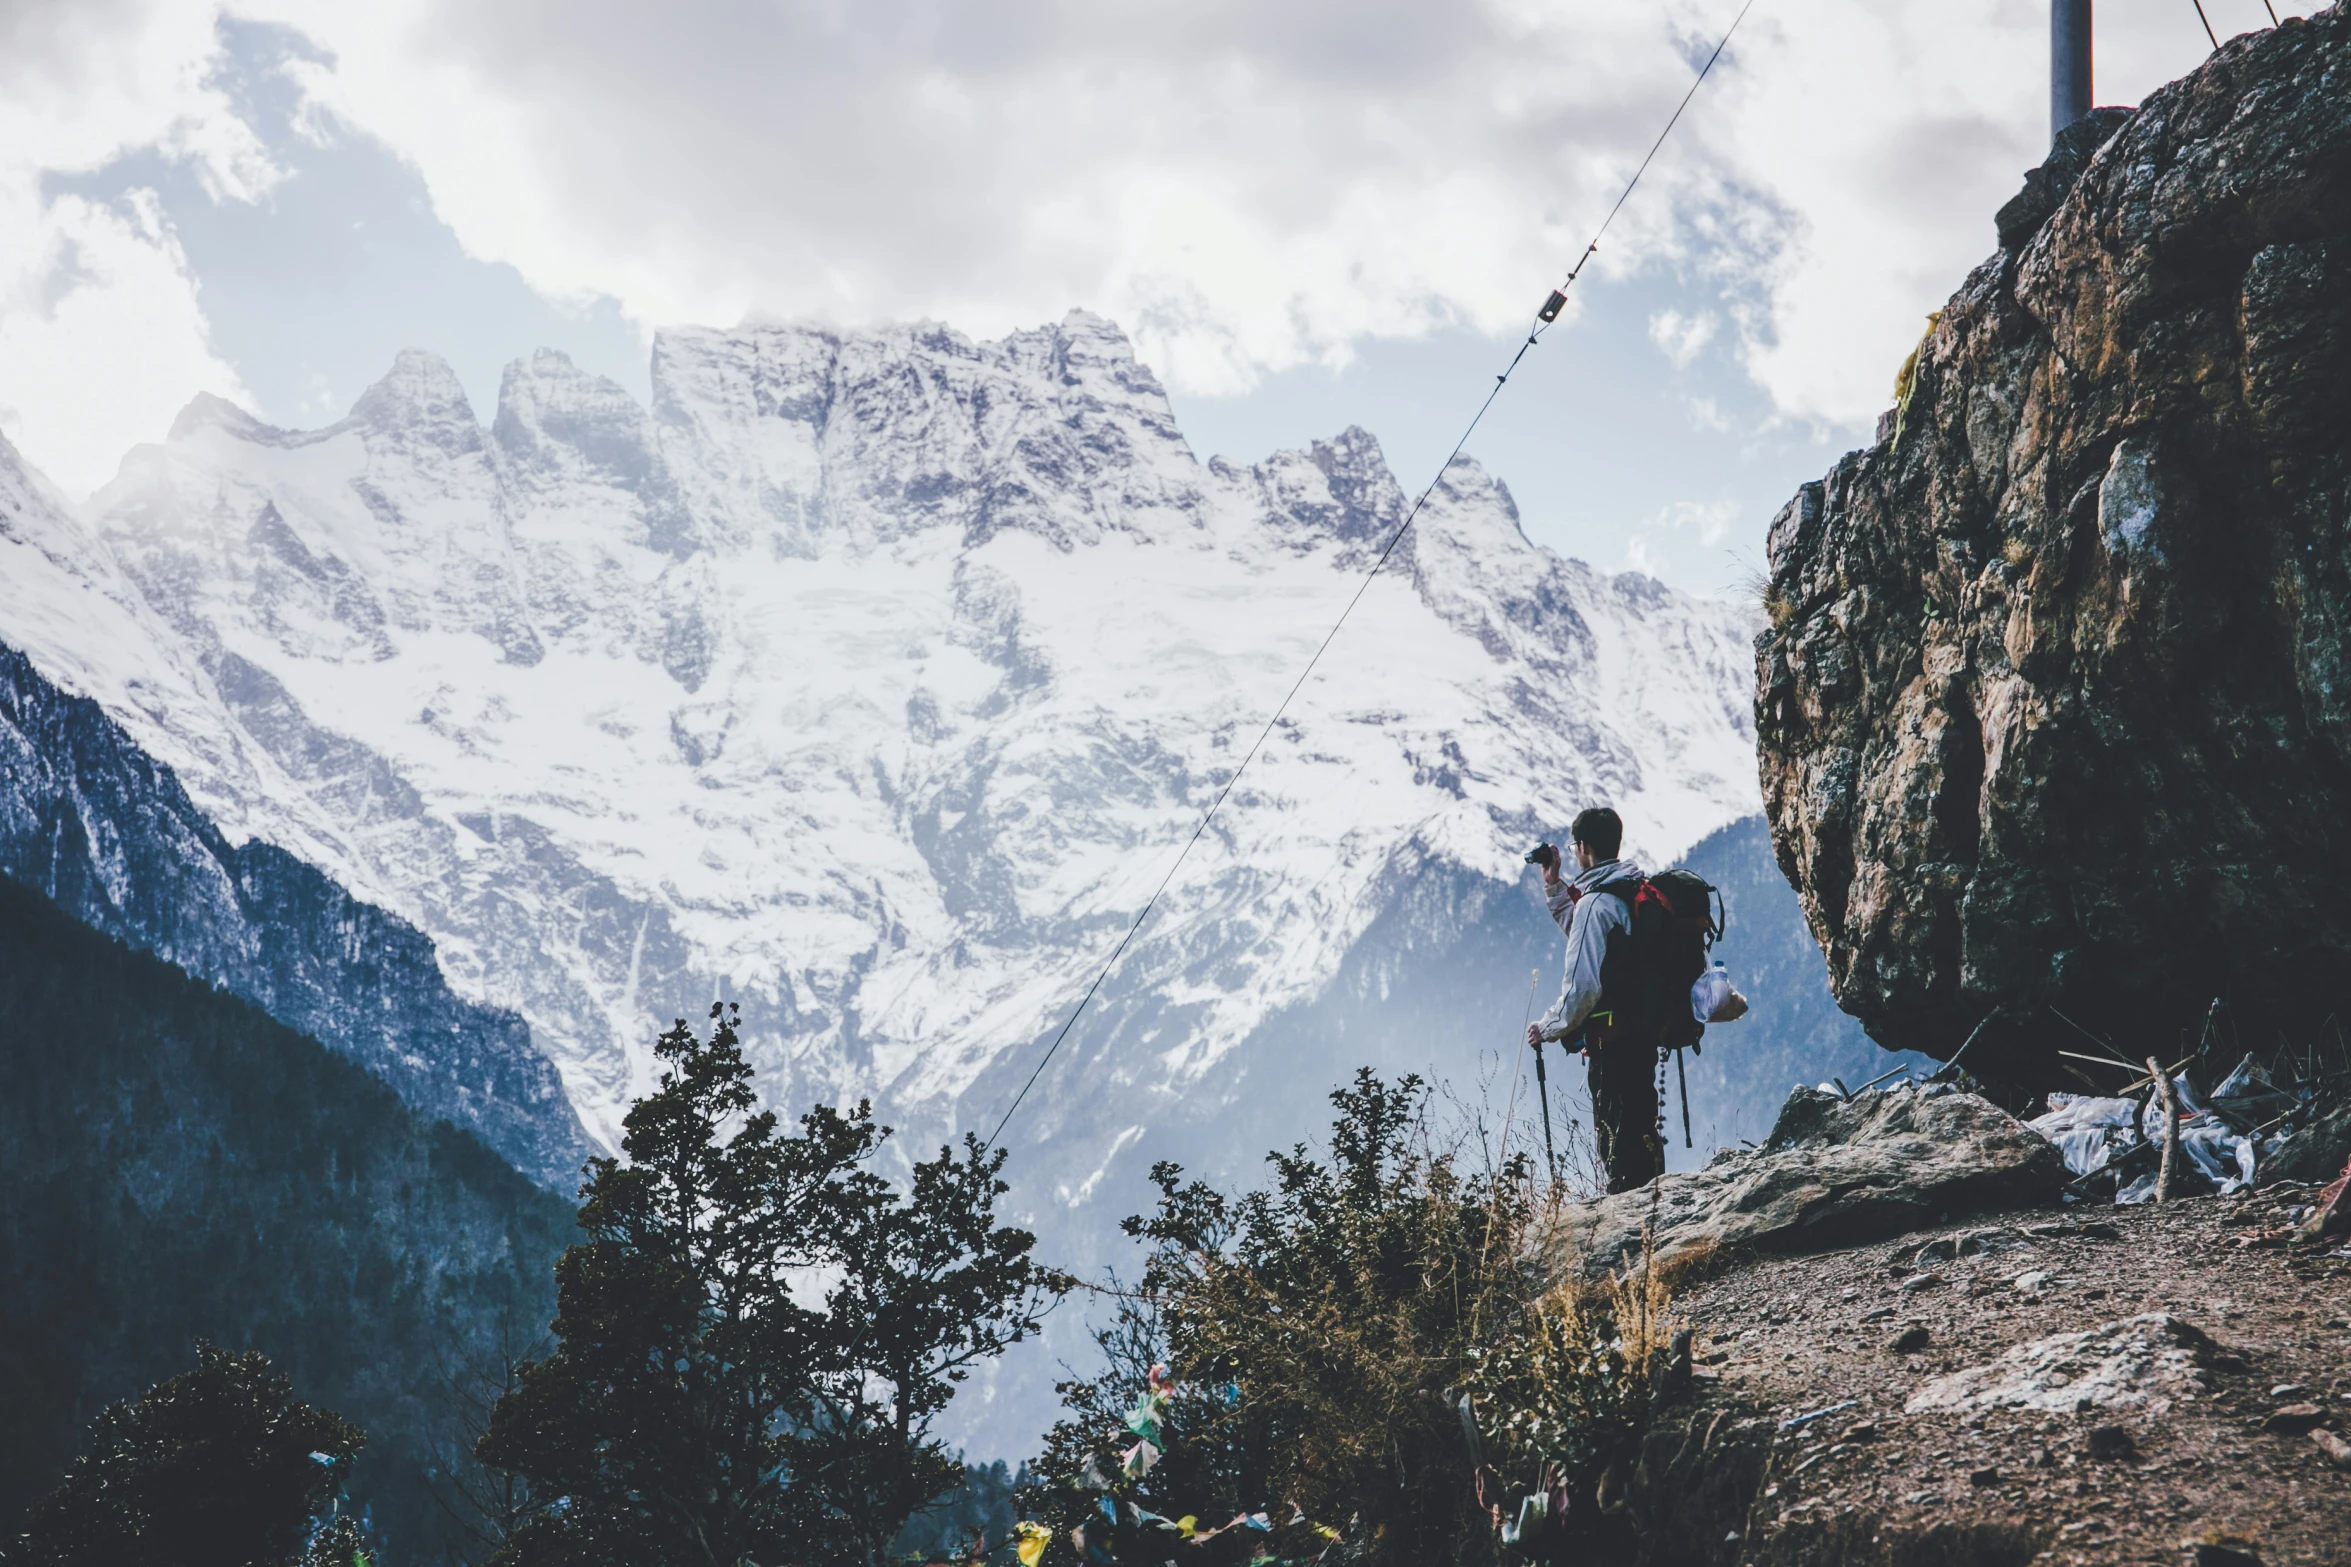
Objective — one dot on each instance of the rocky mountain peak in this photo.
(1467, 484)
(559, 425)
(1338, 490)
(421, 406)
(1094, 353)
(207, 412)
(809, 436)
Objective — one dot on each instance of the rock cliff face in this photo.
(91, 822)
(2054, 708)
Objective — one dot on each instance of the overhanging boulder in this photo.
(2054, 707)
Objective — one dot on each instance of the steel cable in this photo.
(1542, 324)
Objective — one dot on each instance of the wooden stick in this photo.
(2137, 1083)
(2100, 1060)
(2085, 1033)
(2171, 1129)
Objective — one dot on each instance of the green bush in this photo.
(1377, 1358)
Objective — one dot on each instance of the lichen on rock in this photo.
(2054, 707)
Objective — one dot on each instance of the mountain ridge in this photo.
(967, 621)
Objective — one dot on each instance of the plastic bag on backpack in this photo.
(1713, 1000)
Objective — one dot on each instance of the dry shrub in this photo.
(1698, 1262)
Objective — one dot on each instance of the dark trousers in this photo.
(1624, 1107)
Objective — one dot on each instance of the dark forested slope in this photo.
(175, 1165)
(106, 831)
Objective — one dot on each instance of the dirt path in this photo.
(1873, 1483)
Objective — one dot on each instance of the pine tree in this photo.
(755, 1333)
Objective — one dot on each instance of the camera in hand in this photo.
(1545, 855)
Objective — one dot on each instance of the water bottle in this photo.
(1709, 992)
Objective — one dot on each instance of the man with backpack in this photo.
(1635, 945)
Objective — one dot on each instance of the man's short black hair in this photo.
(1600, 830)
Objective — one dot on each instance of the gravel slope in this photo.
(1875, 1483)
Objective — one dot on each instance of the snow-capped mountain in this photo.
(872, 679)
(90, 821)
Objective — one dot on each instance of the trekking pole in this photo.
(1542, 1089)
(1543, 1092)
(1682, 1072)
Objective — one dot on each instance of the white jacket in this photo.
(1588, 921)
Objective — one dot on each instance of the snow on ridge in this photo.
(871, 677)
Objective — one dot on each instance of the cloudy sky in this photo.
(1308, 213)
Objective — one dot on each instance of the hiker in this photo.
(1595, 908)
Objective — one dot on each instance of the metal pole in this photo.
(1543, 1092)
(2069, 63)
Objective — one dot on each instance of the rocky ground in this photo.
(2179, 1431)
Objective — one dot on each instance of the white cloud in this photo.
(1251, 186)
(1709, 522)
(1706, 414)
(111, 346)
(1680, 337)
(102, 338)
(1248, 186)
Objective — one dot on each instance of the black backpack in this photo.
(1647, 972)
